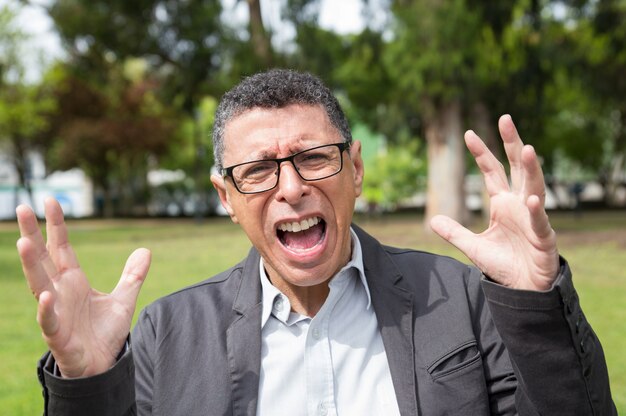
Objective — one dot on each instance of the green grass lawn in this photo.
(185, 252)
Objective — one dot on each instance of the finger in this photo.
(46, 315)
(513, 148)
(26, 220)
(29, 230)
(534, 183)
(455, 234)
(36, 275)
(133, 276)
(539, 218)
(491, 168)
(58, 243)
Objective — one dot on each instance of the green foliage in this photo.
(23, 111)
(111, 131)
(185, 46)
(556, 66)
(182, 152)
(394, 175)
(603, 53)
(181, 39)
(433, 44)
(578, 129)
(363, 77)
(319, 51)
(25, 107)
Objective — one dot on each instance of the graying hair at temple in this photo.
(276, 88)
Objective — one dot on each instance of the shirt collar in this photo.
(271, 294)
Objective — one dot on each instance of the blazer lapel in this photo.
(394, 311)
(243, 339)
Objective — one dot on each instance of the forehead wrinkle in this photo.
(280, 138)
(284, 149)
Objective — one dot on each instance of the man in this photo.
(320, 318)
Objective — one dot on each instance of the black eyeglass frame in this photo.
(228, 171)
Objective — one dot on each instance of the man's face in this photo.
(312, 256)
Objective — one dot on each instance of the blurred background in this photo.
(108, 105)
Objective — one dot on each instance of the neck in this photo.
(305, 300)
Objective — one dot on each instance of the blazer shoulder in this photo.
(218, 291)
(214, 282)
(412, 260)
(414, 266)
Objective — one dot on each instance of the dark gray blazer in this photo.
(456, 345)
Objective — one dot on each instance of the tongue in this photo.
(304, 239)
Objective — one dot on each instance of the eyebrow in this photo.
(264, 154)
(267, 154)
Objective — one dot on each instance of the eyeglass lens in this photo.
(313, 164)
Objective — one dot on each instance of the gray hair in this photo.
(276, 88)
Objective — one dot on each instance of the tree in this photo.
(24, 107)
(259, 38)
(182, 41)
(605, 65)
(571, 90)
(428, 63)
(111, 132)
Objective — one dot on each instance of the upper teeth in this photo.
(299, 226)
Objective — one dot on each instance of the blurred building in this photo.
(72, 188)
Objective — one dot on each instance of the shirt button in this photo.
(316, 334)
(278, 304)
(322, 410)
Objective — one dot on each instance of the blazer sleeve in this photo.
(108, 394)
(556, 356)
(124, 390)
(143, 342)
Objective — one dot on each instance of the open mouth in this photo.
(303, 235)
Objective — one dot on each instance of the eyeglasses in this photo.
(313, 164)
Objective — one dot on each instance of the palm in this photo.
(84, 329)
(89, 336)
(518, 249)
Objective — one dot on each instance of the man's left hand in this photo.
(518, 250)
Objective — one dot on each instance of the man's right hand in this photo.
(84, 329)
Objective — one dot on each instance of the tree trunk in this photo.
(446, 163)
(103, 196)
(142, 191)
(20, 164)
(614, 181)
(200, 170)
(485, 127)
(615, 177)
(258, 36)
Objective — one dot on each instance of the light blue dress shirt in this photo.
(332, 364)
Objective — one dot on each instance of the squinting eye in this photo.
(257, 169)
(314, 156)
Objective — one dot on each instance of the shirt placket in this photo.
(318, 358)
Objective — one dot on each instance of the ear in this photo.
(219, 183)
(357, 162)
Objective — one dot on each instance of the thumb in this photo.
(454, 233)
(133, 276)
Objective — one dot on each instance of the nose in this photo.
(291, 187)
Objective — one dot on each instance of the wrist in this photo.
(94, 370)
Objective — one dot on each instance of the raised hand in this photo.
(518, 249)
(84, 329)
